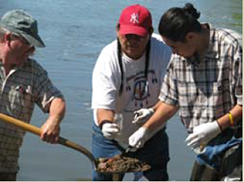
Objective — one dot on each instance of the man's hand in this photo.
(110, 130)
(142, 115)
(138, 138)
(50, 130)
(202, 134)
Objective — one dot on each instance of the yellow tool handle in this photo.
(28, 127)
(37, 131)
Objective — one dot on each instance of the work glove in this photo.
(142, 115)
(202, 134)
(138, 138)
(110, 130)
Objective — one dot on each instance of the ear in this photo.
(7, 38)
(150, 31)
(117, 28)
(190, 36)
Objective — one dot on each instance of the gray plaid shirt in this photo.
(20, 90)
(206, 90)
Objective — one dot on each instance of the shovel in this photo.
(63, 141)
(95, 162)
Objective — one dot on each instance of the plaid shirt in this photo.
(206, 90)
(20, 90)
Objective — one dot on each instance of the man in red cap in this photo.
(127, 77)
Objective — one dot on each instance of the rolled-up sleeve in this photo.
(44, 90)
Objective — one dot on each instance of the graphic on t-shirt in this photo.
(140, 89)
(139, 86)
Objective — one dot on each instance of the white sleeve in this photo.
(167, 53)
(163, 51)
(105, 81)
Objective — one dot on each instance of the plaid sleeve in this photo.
(237, 74)
(44, 90)
(169, 92)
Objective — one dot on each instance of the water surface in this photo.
(74, 33)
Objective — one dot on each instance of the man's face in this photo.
(17, 50)
(133, 45)
(185, 49)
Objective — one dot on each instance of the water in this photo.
(74, 33)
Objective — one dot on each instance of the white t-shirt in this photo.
(107, 80)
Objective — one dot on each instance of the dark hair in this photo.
(177, 22)
(121, 64)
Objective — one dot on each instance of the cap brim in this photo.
(129, 29)
(35, 41)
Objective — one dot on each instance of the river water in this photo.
(74, 33)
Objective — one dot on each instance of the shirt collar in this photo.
(15, 68)
(212, 51)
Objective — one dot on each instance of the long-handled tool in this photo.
(63, 141)
(136, 165)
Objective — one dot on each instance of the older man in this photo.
(23, 83)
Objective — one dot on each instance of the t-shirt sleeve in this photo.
(105, 81)
(166, 59)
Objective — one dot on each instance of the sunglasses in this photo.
(20, 38)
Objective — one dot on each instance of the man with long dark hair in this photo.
(204, 82)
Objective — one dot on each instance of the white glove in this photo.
(142, 115)
(202, 134)
(138, 138)
(110, 130)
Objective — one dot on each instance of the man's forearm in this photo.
(105, 114)
(236, 114)
(57, 109)
(162, 114)
(156, 105)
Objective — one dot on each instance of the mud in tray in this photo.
(121, 164)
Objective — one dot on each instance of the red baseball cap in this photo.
(135, 19)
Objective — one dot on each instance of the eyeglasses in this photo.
(20, 38)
